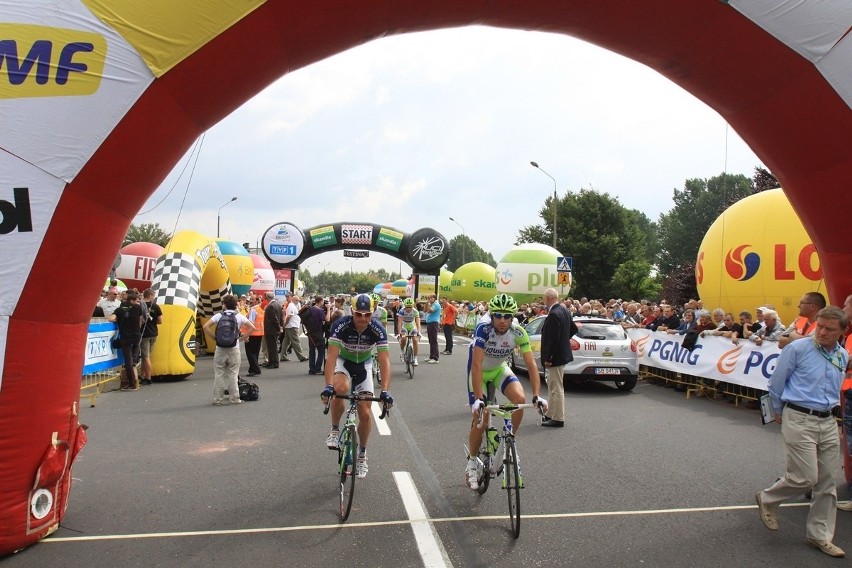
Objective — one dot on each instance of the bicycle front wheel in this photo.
(409, 362)
(513, 483)
(483, 474)
(348, 454)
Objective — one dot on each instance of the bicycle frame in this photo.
(512, 481)
(347, 446)
(408, 354)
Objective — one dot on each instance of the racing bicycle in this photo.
(377, 372)
(347, 447)
(408, 354)
(498, 454)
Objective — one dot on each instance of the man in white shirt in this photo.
(110, 303)
(292, 328)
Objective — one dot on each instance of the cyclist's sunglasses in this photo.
(499, 315)
(363, 314)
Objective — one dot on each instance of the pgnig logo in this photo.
(741, 267)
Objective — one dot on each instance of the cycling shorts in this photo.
(501, 376)
(357, 373)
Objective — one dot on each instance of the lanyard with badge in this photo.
(836, 359)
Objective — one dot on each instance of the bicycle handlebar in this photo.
(504, 410)
(358, 398)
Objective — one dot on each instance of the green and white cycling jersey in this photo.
(498, 347)
(408, 317)
(381, 314)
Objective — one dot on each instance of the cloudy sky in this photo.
(408, 131)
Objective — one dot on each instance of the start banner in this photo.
(718, 358)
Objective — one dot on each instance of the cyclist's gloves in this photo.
(541, 403)
(386, 398)
(327, 392)
(477, 404)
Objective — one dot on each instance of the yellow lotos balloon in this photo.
(756, 253)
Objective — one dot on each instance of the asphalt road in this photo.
(645, 478)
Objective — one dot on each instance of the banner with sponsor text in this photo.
(714, 357)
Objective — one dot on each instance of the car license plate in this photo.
(605, 371)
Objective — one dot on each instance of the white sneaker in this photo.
(361, 467)
(471, 475)
(333, 439)
(415, 362)
(401, 358)
(431, 361)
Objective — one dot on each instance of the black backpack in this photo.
(248, 390)
(227, 330)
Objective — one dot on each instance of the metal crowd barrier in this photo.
(700, 386)
(102, 381)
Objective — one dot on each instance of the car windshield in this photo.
(599, 331)
(534, 327)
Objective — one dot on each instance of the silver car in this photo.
(602, 352)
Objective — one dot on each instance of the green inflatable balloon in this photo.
(474, 281)
(527, 270)
(444, 281)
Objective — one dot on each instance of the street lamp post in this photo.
(464, 237)
(535, 165)
(219, 216)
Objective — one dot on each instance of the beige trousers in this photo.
(555, 393)
(813, 460)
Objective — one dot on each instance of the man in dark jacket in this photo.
(313, 318)
(129, 318)
(273, 325)
(555, 353)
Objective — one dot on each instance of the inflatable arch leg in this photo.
(190, 279)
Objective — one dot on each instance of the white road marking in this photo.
(431, 550)
(381, 425)
(338, 527)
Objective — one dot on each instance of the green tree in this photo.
(146, 233)
(764, 180)
(697, 205)
(679, 284)
(633, 280)
(463, 250)
(598, 232)
(649, 229)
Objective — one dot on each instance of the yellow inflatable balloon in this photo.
(756, 253)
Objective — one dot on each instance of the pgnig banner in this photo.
(712, 357)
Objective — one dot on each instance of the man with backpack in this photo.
(228, 332)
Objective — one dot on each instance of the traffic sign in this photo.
(564, 263)
(564, 278)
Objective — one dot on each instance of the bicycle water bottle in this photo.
(493, 440)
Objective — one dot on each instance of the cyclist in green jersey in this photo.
(408, 322)
(492, 343)
(380, 313)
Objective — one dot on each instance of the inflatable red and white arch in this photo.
(96, 92)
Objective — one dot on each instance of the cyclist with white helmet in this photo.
(488, 369)
(380, 313)
(408, 322)
(349, 358)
